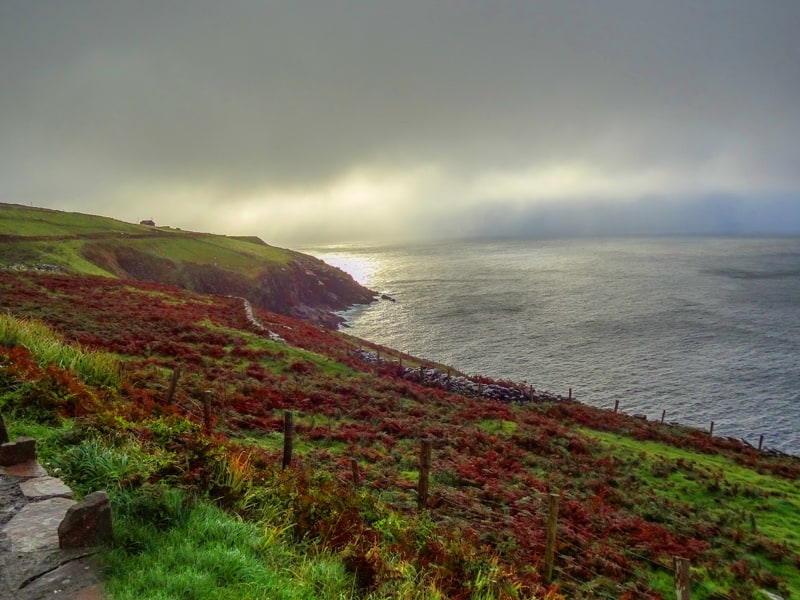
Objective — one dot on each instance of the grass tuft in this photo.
(48, 347)
(216, 556)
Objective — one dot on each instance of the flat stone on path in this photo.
(33, 566)
(25, 470)
(74, 580)
(44, 488)
(35, 527)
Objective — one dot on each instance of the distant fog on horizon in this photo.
(708, 217)
(711, 216)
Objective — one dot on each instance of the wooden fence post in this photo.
(207, 421)
(663, 414)
(3, 431)
(173, 384)
(682, 578)
(570, 393)
(425, 450)
(616, 406)
(288, 438)
(711, 429)
(356, 477)
(760, 441)
(550, 548)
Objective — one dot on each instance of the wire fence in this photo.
(600, 574)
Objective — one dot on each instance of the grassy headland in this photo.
(274, 278)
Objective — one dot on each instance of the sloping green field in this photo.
(20, 220)
(61, 239)
(234, 255)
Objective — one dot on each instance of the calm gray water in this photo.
(708, 329)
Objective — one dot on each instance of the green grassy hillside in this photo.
(34, 236)
(203, 508)
(270, 277)
(25, 221)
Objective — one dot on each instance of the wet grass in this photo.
(741, 507)
(27, 221)
(64, 254)
(202, 552)
(498, 426)
(76, 230)
(225, 253)
(47, 347)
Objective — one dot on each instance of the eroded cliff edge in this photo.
(302, 286)
(269, 277)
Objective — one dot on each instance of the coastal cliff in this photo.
(275, 279)
(302, 286)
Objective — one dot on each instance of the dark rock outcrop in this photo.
(13, 453)
(87, 523)
(3, 431)
(309, 289)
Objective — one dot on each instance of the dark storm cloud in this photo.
(245, 105)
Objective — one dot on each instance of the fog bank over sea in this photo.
(707, 329)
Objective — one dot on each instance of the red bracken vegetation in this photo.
(494, 466)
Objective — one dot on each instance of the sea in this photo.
(706, 329)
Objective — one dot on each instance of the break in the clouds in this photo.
(344, 120)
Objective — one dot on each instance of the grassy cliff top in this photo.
(27, 221)
(37, 236)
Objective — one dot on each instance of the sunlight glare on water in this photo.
(360, 268)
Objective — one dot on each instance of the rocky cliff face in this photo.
(308, 288)
(304, 287)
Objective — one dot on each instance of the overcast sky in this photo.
(337, 120)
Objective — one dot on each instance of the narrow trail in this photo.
(251, 318)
